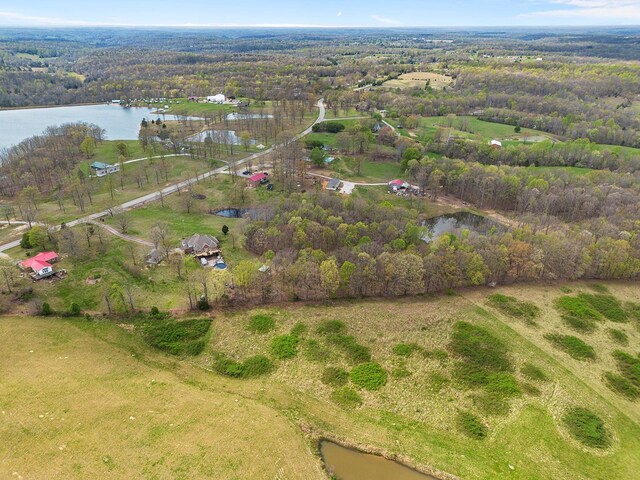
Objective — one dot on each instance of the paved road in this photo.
(153, 196)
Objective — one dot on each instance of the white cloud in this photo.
(339, 14)
(13, 18)
(624, 10)
(388, 21)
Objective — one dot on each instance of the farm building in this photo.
(257, 179)
(40, 264)
(219, 98)
(200, 245)
(101, 169)
(496, 144)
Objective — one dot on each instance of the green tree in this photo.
(88, 146)
(122, 149)
(317, 157)
(329, 276)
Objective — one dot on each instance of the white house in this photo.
(219, 98)
(495, 143)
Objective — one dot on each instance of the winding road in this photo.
(153, 196)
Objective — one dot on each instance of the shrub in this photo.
(618, 336)
(571, 345)
(437, 381)
(335, 376)
(74, 310)
(479, 348)
(154, 312)
(203, 305)
(629, 367)
(621, 385)
(502, 384)
(331, 327)
(609, 306)
(25, 241)
(355, 352)
(261, 324)
(299, 329)
(526, 311)
(370, 376)
(46, 309)
(346, 397)
(405, 349)
(256, 366)
(284, 346)
(533, 373)
(587, 427)
(400, 371)
(177, 338)
(577, 308)
(315, 352)
(228, 367)
(471, 425)
(582, 325)
(491, 404)
(530, 389)
(435, 354)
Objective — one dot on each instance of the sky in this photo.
(319, 13)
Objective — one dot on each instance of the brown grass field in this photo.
(419, 79)
(90, 400)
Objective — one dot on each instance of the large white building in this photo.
(219, 98)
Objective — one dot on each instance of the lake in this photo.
(454, 222)
(120, 123)
(350, 464)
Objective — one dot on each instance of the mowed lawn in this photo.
(87, 400)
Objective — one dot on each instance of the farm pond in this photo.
(349, 464)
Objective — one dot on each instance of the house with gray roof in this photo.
(201, 245)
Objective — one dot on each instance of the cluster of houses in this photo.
(40, 266)
(219, 99)
(100, 169)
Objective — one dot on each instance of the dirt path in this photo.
(124, 236)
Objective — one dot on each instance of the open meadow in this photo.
(473, 384)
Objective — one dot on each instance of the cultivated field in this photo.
(469, 384)
(419, 80)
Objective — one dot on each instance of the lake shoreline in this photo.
(34, 107)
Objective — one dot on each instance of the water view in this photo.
(349, 464)
(119, 123)
(245, 116)
(218, 136)
(455, 222)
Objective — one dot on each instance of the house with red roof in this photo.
(257, 179)
(395, 185)
(40, 264)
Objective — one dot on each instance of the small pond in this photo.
(233, 212)
(246, 116)
(218, 136)
(454, 222)
(350, 464)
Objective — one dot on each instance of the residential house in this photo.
(200, 245)
(257, 179)
(155, 256)
(333, 184)
(40, 264)
(397, 184)
(101, 169)
(496, 144)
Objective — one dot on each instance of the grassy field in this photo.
(419, 80)
(91, 399)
